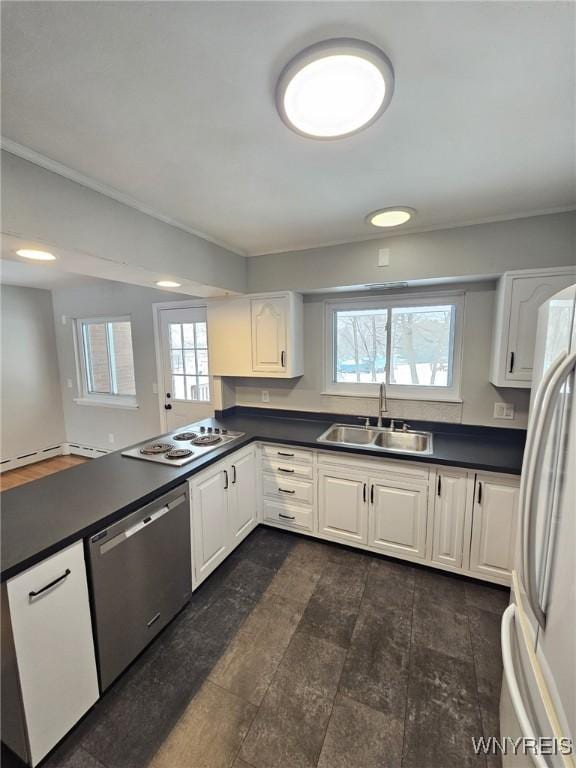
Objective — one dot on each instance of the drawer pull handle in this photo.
(286, 517)
(153, 620)
(283, 490)
(289, 471)
(66, 573)
(284, 454)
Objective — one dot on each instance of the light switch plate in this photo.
(384, 257)
(265, 396)
(503, 411)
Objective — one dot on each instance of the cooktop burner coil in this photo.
(185, 436)
(179, 453)
(155, 448)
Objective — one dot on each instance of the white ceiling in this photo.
(172, 104)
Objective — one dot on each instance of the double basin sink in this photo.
(378, 438)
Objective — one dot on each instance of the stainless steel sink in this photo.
(379, 439)
(341, 433)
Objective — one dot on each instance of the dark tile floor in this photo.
(297, 654)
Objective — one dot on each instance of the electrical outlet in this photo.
(111, 438)
(503, 411)
(63, 319)
(384, 257)
(154, 388)
(69, 383)
(265, 396)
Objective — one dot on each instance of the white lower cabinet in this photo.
(411, 511)
(398, 516)
(242, 499)
(49, 678)
(343, 508)
(449, 516)
(494, 520)
(223, 500)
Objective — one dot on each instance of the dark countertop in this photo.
(42, 517)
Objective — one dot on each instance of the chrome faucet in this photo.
(382, 404)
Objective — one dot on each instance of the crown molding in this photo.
(367, 238)
(86, 181)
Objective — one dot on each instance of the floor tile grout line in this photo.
(276, 671)
(408, 672)
(475, 672)
(343, 665)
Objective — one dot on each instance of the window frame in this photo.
(395, 391)
(86, 397)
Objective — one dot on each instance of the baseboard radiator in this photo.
(65, 449)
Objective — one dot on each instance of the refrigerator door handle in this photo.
(526, 478)
(508, 618)
(561, 371)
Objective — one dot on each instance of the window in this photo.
(189, 361)
(106, 361)
(410, 344)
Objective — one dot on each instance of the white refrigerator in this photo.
(538, 700)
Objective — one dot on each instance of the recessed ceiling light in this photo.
(335, 88)
(28, 253)
(168, 284)
(390, 217)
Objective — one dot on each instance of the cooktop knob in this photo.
(216, 430)
(209, 430)
(202, 429)
(224, 431)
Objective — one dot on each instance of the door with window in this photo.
(186, 392)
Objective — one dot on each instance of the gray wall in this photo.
(91, 425)
(32, 417)
(478, 394)
(40, 205)
(481, 250)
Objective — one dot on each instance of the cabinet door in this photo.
(528, 294)
(343, 506)
(54, 647)
(449, 516)
(269, 327)
(210, 520)
(494, 516)
(398, 516)
(242, 499)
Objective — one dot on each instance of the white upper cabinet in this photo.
(258, 335)
(519, 296)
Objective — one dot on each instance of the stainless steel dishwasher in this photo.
(141, 575)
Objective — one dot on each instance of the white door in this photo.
(269, 328)
(343, 506)
(186, 386)
(210, 492)
(528, 294)
(398, 516)
(449, 514)
(50, 614)
(242, 500)
(494, 517)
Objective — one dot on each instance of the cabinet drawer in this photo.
(52, 632)
(285, 469)
(287, 489)
(286, 453)
(288, 515)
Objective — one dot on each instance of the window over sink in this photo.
(411, 344)
(106, 361)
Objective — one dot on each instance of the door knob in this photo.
(168, 407)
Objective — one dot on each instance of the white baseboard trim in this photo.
(32, 457)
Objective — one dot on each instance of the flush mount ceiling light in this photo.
(28, 253)
(335, 88)
(390, 217)
(168, 284)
